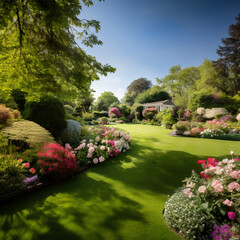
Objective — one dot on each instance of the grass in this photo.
(121, 199)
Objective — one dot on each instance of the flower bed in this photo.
(53, 162)
(208, 206)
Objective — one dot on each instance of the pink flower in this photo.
(232, 186)
(228, 203)
(101, 159)
(218, 170)
(95, 160)
(232, 152)
(232, 215)
(89, 155)
(102, 148)
(188, 192)
(190, 185)
(27, 165)
(235, 174)
(67, 146)
(202, 189)
(238, 117)
(217, 186)
(97, 139)
(91, 149)
(33, 170)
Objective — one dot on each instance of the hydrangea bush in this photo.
(215, 195)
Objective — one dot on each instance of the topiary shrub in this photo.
(27, 133)
(48, 112)
(11, 178)
(195, 131)
(114, 111)
(180, 127)
(72, 133)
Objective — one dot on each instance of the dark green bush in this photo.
(103, 114)
(48, 112)
(20, 98)
(68, 109)
(96, 114)
(11, 178)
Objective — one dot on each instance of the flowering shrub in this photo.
(217, 124)
(149, 113)
(5, 114)
(216, 192)
(56, 161)
(187, 113)
(107, 143)
(210, 133)
(226, 118)
(114, 111)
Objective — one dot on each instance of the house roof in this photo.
(165, 102)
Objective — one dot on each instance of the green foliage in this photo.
(96, 114)
(180, 127)
(184, 218)
(27, 133)
(11, 178)
(138, 86)
(153, 94)
(129, 98)
(137, 111)
(124, 109)
(68, 109)
(20, 99)
(149, 113)
(167, 117)
(39, 51)
(105, 100)
(104, 114)
(114, 105)
(48, 112)
(104, 120)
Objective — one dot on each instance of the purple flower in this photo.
(31, 180)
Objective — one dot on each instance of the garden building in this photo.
(160, 105)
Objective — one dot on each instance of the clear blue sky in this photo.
(144, 38)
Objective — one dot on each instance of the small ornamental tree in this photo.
(114, 111)
(149, 113)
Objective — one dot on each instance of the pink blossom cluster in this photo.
(57, 160)
(221, 183)
(114, 111)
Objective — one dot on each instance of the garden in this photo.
(162, 162)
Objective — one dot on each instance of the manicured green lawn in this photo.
(121, 199)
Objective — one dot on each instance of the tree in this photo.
(105, 100)
(153, 94)
(138, 86)
(181, 82)
(38, 47)
(228, 65)
(129, 98)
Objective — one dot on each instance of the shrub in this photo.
(227, 118)
(123, 119)
(114, 111)
(180, 127)
(96, 114)
(137, 111)
(104, 114)
(158, 117)
(11, 178)
(56, 161)
(168, 118)
(72, 133)
(27, 132)
(149, 113)
(48, 112)
(211, 133)
(68, 109)
(19, 98)
(104, 120)
(5, 114)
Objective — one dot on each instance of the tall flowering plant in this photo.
(218, 191)
(57, 161)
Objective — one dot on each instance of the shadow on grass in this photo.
(93, 205)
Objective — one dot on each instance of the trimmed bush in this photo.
(180, 127)
(48, 112)
(72, 133)
(195, 131)
(104, 114)
(96, 114)
(27, 132)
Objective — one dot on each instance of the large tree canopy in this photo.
(38, 47)
(153, 94)
(228, 65)
(138, 86)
